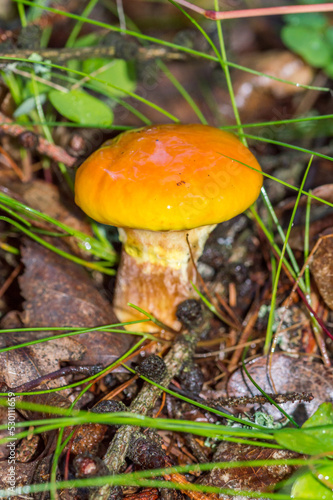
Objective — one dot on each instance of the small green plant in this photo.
(311, 37)
(32, 87)
(315, 439)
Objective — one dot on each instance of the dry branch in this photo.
(43, 146)
(126, 51)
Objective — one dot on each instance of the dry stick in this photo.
(194, 495)
(147, 53)
(258, 399)
(249, 322)
(10, 279)
(43, 146)
(181, 351)
(11, 163)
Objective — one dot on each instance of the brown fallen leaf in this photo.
(60, 293)
(248, 478)
(4, 450)
(255, 95)
(290, 374)
(280, 64)
(29, 363)
(23, 475)
(26, 474)
(321, 267)
(27, 448)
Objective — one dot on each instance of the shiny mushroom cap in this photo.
(168, 177)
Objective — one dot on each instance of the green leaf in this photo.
(315, 20)
(311, 441)
(119, 73)
(309, 486)
(81, 107)
(28, 105)
(323, 416)
(329, 36)
(308, 43)
(88, 40)
(42, 88)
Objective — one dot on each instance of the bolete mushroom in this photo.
(159, 185)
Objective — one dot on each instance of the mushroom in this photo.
(165, 187)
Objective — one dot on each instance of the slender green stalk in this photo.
(279, 122)
(21, 11)
(270, 238)
(290, 146)
(62, 253)
(128, 127)
(183, 92)
(228, 78)
(282, 235)
(267, 396)
(96, 247)
(47, 132)
(142, 479)
(271, 317)
(307, 278)
(212, 308)
(77, 28)
(273, 259)
(74, 331)
(14, 214)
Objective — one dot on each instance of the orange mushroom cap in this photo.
(168, 177)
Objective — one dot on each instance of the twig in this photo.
(258, 399)
(181, 351)
(65, 54)
(265, 11)
(249, 323)
(10, 279)
(43, 146)
(65, 371)
(194, 495)
(9, 160)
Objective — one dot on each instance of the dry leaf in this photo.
(23, 476)
(247, 478)
(59, 292)
(321, 267)
(255, 93)
(290, 374)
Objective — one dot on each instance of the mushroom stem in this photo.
(155, 273)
